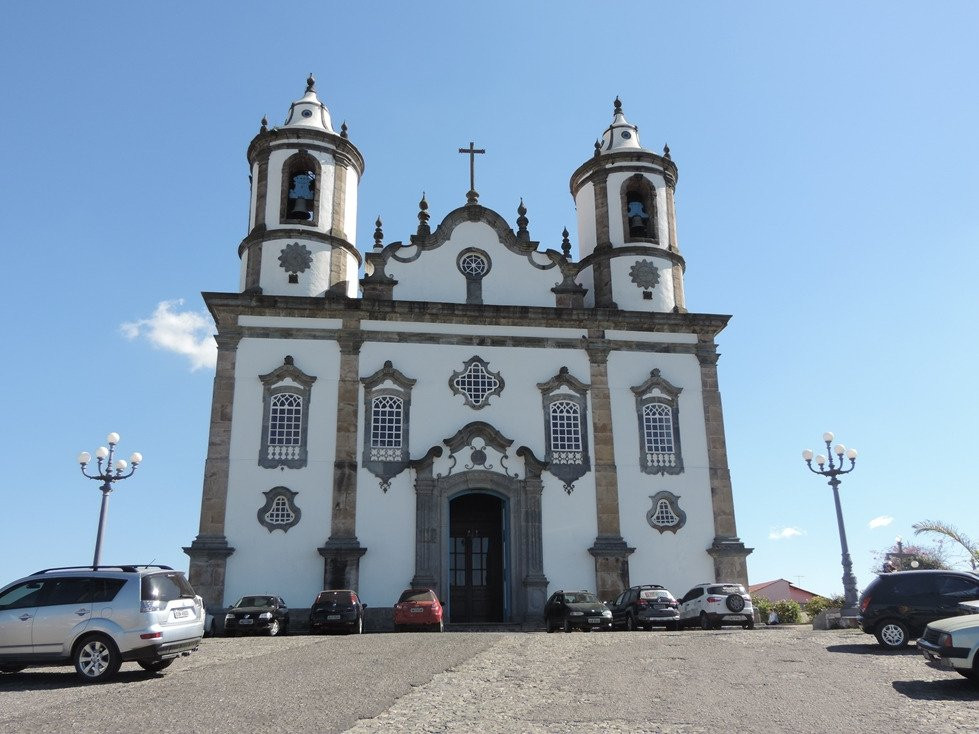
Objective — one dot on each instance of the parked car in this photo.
(418, 609)
(337, 609)
(953, 644)
(717, 604)
(896, 607)
(645, 607)
(257, 614)
(98, 617)
(570, 610)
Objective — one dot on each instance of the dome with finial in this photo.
(621, 134)
(309, 112)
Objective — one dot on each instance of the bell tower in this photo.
(627, 223)
(302, 222)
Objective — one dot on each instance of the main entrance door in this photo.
(476, 558)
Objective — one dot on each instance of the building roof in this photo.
(753, 588)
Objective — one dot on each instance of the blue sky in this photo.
(827, 199)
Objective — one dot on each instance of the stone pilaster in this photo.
(210, 550)
(727, 550)
(342, 551)
(601, 267)
(535, 582)
(610, 551)
(427, 541)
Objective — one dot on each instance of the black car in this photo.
(898, 606)
(337, 609)
(569, 610)
(257, 614)
(645, 607)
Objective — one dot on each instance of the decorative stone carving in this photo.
(279, 511)
(665, 514)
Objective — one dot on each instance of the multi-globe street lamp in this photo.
(107, 475)
(834, 472)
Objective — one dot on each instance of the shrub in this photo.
(816, 605)
(763, 605)
(788, 611)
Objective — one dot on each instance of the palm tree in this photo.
(949, 531)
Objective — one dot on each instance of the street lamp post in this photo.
(107, 475)
(834, 472)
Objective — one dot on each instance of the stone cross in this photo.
(472, 151)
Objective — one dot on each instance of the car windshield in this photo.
(255, 601)
(580, 597)
(165, 587)
(660, 594)
(337, 597)
(417, 595)
(726, 589)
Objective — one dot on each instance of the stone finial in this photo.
(522, 222)
(378, 234)
(565, 243)
(598, 148)
(343, 129)
(310, 83)
(265, 124)
(423, 216)
(666, 152)
(618, 105)
(288, 359)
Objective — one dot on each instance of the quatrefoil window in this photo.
(476, 383)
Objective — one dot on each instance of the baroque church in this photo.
(465, 411)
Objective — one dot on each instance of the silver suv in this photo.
(712, 605)
(97, 617)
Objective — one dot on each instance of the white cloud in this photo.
(784, 533)
(189, 333)
(880, 522)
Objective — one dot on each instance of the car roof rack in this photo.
(127, 568)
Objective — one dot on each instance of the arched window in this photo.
(300, 189)
(565, 427)
(659, 427)
(387, 404)
(285, 394)
(285, 426)
(639, 209)
(387, 428)
(657, 420)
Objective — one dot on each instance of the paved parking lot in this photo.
(765, 680)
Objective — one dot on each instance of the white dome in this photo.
(309, 112)
(621, 134)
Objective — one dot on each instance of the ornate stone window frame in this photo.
(388, 461)
(665, 515)
(641, 186)
(279, 500)
(568, 466)
(658, 391)
(285, 379)
(483, 366)
(474, 281)
(301, 161)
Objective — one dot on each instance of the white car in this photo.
(951, 644)
(713, 605)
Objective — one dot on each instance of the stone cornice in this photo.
(259, 234)
(607, 253)
(610, 163)
(307, 139)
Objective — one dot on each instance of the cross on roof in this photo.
(472, 151)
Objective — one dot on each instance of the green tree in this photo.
(952, 533)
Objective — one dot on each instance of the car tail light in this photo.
(864, 603)
(642, 603)
(714, 599)
(151, 635)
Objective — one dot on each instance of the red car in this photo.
(418, 609)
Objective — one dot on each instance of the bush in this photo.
(763, 605)
(788, 611)
(816, 605)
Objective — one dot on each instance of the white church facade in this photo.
(465, 411)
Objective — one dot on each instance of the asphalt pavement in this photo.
(777, 679)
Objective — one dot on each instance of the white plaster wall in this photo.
(511, 279)
(677, 561)
(253, 201)
(283, 563)
(569, 525)
(350, 208)
(585, 204)
(386, 527)
(242, 268)
(353, 275)
(628, 295)
(312, 282)
(325, 185)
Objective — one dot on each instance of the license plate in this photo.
(417, 610)
(331, 617)
(181, 613)
(594, 620)
(246, 621)
(732, 618)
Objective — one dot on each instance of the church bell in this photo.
(299, 209)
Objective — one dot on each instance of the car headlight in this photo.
(228, 616)
(265, 615)
(606, 613)
(945, 640)
(577, 614)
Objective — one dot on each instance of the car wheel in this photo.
(567, 626)
(11, 668)
(398, 628)
(892, 634)
(440, 627)
(548, 626)
(734, 602)
(155, 666)
(274, 628)
(970, 674)
(96, 659)
(705, 621)
(630, 623)
(359, 627)
(749, 625)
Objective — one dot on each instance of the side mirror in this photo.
(363, 606)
